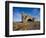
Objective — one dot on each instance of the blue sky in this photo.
(34, 12)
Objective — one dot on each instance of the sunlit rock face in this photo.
(27, 18)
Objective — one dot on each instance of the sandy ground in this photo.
(26, 26)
